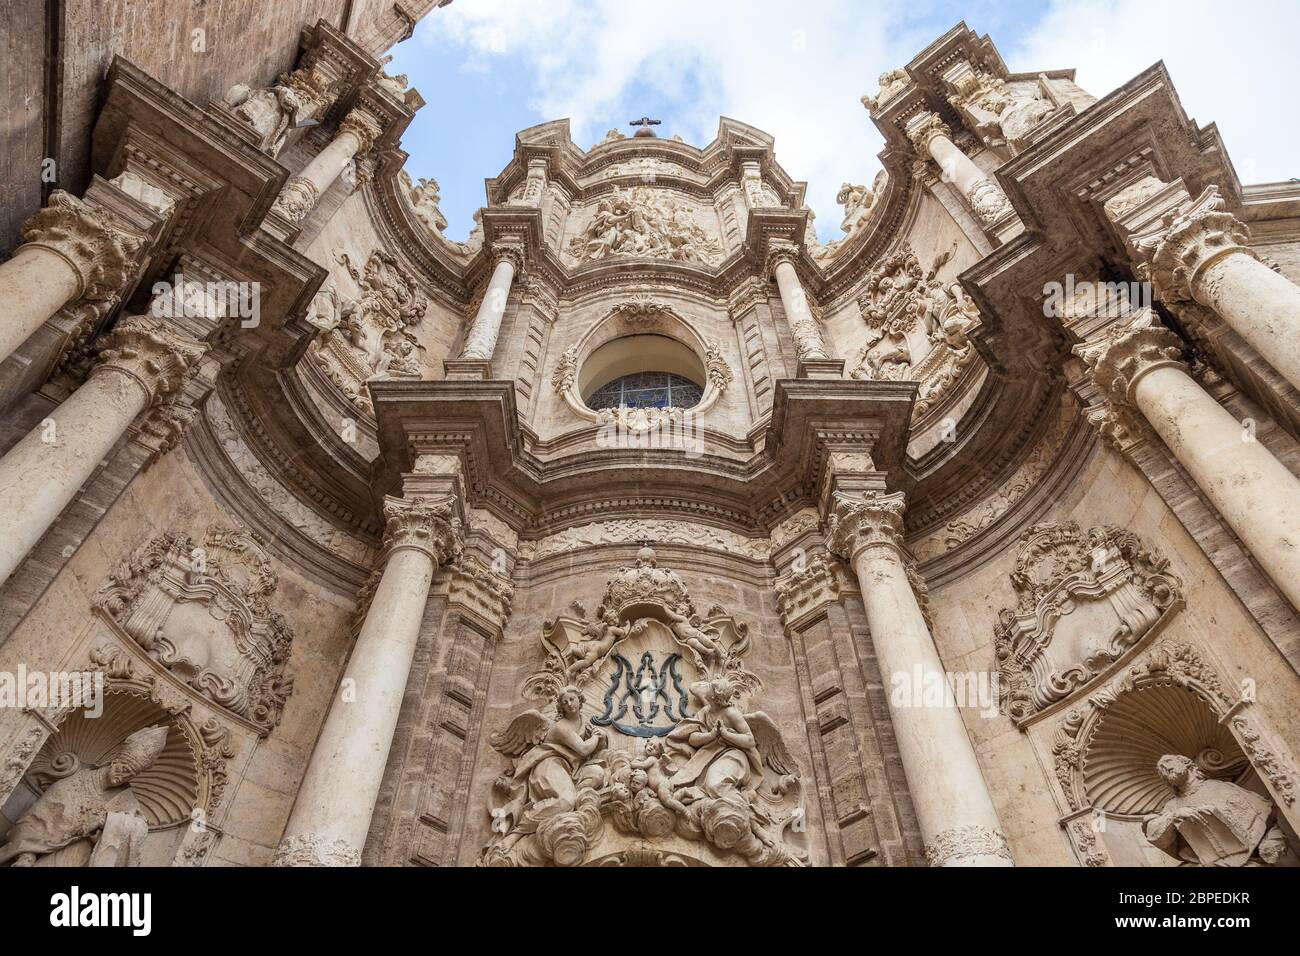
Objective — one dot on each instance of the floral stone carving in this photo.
(673, 755)
(1083, 600)
(205, 614)
(368, 337)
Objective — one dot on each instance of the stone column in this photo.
(481, 340)
(331, 816)
(932, 138)
(1201, 255)
(810, 346)
(71, 251)
(143, 361)
(1139, 366)
(357, 133)
(953, 806)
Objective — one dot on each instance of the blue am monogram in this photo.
(649, 692)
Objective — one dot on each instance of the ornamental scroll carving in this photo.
(204, 613)
(917, 326)
(1084, 599)
(368, 337)
(644, 222)
(672, 757)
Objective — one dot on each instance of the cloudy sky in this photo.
(795, 68)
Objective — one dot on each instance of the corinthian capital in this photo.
(156, 356)
(512, 252)
(1181, 245)
(363, 127)
(86, 237)
(872, 520)
(779, 251)
(423, 524)
(1128, 352)
(923, 129)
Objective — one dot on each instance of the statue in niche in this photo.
(90, 817)
(704, 769)
(1213, 822)
(549, 809)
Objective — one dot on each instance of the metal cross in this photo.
(645, 121)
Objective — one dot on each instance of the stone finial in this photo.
(874, 520)
(1181, 245)
(87, 239)
(1127, 352)
(422, 524)
(156, 356)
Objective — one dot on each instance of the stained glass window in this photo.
(647, 390)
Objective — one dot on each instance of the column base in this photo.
(474, 370)
(312, 849)
(820, 368)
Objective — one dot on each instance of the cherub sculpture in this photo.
(685, 626)
(550, 810)
(601, 636)
(659, 769)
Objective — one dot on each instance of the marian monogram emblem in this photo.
(654, 696)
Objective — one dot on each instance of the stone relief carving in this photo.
(368, 337)
(704, 771)
(637, 421)
(632, 531)
(642, 311)
(1083, 599)
(204, 613)
(716, 368)
(644, 222)
(425, 196)
(88, 815)
(1210, 822)
(917, 326)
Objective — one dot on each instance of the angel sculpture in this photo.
(550, 806)
(726, 753)
(601, 636)
(659, 769)
(685, 627)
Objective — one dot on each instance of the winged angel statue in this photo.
(715, 774)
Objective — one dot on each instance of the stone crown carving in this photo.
(205, 614)
(1083, 600)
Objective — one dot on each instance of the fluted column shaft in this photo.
(331, 816)
(39, 476)
(954, 810)
(481, 340)
(71, 251)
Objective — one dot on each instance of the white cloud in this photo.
(796, 70)
(1232, 64)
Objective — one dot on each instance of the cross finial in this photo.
(645, 121)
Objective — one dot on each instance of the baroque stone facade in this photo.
(641, 528)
